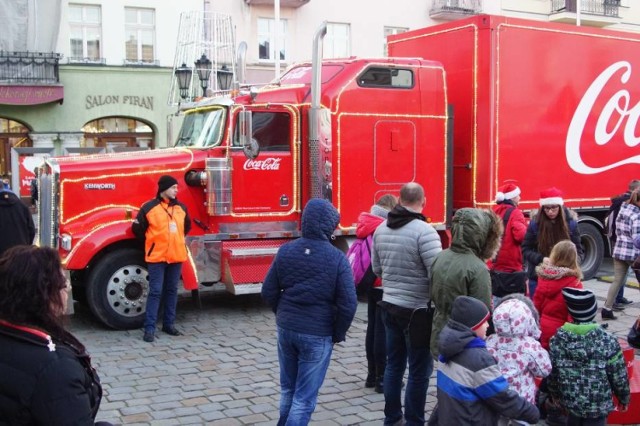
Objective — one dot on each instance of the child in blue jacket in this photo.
(471, 389)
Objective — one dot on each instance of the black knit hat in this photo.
(581, 303)
(165, 182)
(469, 311)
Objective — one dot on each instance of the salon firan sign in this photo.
(92, 101)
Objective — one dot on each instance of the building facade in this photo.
(94, 75)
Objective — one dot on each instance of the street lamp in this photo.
(203, 67)
(225, 77)
(183, 74)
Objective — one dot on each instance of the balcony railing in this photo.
(29, 68)
(454, 9)
(592, 7)
(283, 3)
(76, 60)
(153, 63)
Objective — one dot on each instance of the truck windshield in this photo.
(202, 128)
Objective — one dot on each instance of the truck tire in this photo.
(593, 246)
(117, 289)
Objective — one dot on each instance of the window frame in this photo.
(270, 36)
(331, 40)
(369, 69)
(387, 31)
(138, 27)
(83, 26)
(260, 127)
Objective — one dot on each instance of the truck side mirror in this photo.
(250, 146)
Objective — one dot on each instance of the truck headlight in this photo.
(65, 242)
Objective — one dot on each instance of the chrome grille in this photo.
(48, 205)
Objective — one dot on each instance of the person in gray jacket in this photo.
(403, 249)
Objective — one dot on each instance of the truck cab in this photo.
(246, 164)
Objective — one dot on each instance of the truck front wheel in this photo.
(117, 289)
(593, 246)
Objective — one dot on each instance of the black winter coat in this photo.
(16, 222)
(45, 384)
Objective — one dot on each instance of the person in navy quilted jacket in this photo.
(310, 289)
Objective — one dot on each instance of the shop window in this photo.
(13, 134)
(118, 132)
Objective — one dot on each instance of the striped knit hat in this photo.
(581, 303)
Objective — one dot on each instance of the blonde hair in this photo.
(564, 254)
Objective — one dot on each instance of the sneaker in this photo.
(618, 307)
(171, 331)
(624, 301)
(608, 314)
(148, 336)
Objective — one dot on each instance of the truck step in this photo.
(244, 268)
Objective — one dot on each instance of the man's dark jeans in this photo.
(163, 284)
(420, 361)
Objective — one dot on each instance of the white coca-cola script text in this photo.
(266, 164)
(616, 110)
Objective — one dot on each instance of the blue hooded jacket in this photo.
(309, 285)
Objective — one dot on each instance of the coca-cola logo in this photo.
(616, 111)
(266, 164)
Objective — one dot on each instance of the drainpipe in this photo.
(314, 113)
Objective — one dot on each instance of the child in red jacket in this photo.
(560, 270)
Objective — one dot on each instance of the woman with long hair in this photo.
(624, 252)
(560, 272)
(552, 224)
(49, 378)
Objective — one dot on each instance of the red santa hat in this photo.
(551, 197)
(508, 191)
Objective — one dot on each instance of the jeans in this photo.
(163, 282)
(620, 295)
(579, 421)
(375, 340)
(399, 351)
(304, 360)
(532, 287)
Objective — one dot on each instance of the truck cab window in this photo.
(392, 78)
(202, 129)
(272, 131)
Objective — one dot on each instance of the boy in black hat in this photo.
(162, 224)
(587, 364)
(471, 389)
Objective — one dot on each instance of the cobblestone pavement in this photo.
(224, 370)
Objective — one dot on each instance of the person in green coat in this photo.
(461, 270)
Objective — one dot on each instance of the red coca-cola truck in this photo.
(458, 107)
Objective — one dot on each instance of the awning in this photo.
(30, 95)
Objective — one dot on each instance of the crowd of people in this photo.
(438, 305)
(502, 358)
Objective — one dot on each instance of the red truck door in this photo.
(268, 184)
